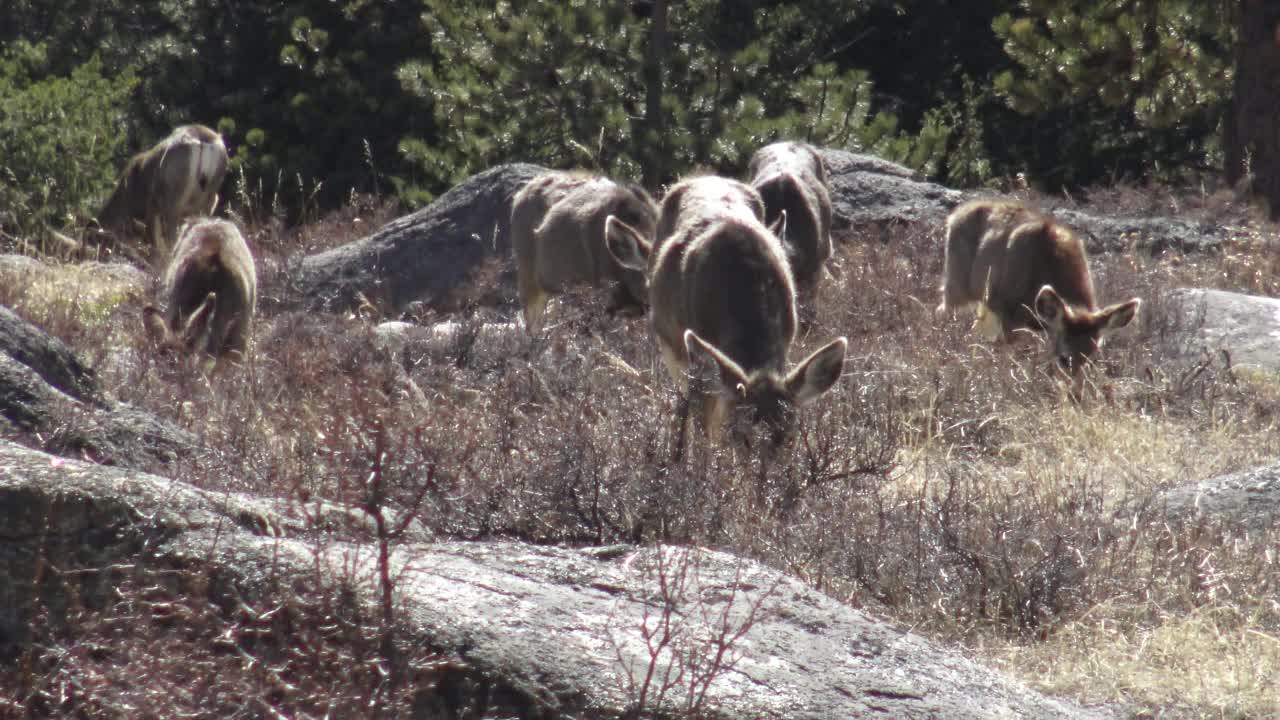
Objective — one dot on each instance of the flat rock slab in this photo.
(1251, 497)
(574, 633)
(1247, 327)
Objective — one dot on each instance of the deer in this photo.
(559, 225)
(210, 291)
(791, 178)
(1027, 272)
(703, 195)
(161, 187)
(723, 310)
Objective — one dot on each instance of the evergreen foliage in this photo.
(559, 84)
(1130, 88)
(319, 98)
(58, 138)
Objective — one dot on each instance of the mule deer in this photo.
(559, 223)
(693, 195)
(791, 178)
(723, 303)
(176, 179)
(1027, 271)
(210, 289)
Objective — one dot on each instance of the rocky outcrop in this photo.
(422, 256)
(868, 190)
(49, 358)
(1244, 331)
(1245, 327)
(563, 632)
(1154, 235)
(428, 255)
(1250, 498)
(51, 400)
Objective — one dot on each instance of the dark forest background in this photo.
(321, 98)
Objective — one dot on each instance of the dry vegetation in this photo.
(946, 483)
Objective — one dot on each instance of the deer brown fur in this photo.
(1027, 271)
(791, 178)
(559, 224)
(176, 179)
(722, 303)
(210, 292)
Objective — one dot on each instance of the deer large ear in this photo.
(817, 373)
(707, 362)
(1049, 307)
(627, 246)
(1117, 316)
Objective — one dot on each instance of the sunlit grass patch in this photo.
(1219, 660)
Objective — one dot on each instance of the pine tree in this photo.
(1129, 87)
(650, 88)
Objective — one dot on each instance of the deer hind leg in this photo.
(676, 368)
(681, 428)
(714, 412)
(534, 302)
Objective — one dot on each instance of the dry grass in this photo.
(947, 483)
(1211, 661)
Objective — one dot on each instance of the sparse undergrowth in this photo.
(947, 483)
(297, 651)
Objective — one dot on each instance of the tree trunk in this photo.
(1252, 140)
(652, 151)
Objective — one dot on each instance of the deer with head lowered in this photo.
(559, 224)
(210, 290)
(791, 178)
(1028, 271)
(723, 308)
(159, 188)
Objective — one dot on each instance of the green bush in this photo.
(59, 139)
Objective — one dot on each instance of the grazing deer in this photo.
(705, 196)
(1028, 272)
(176, 179)
(210, 289)
(791, 178)
(559, 223)
(723, 303)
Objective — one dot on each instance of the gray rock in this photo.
(1251, 497)
(52, 399)
(426, 256)
(47, 356)
(1152, 234)
(843, 162)
(561, 631)
(1246, 327)
(422, 256)
(867, 189)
